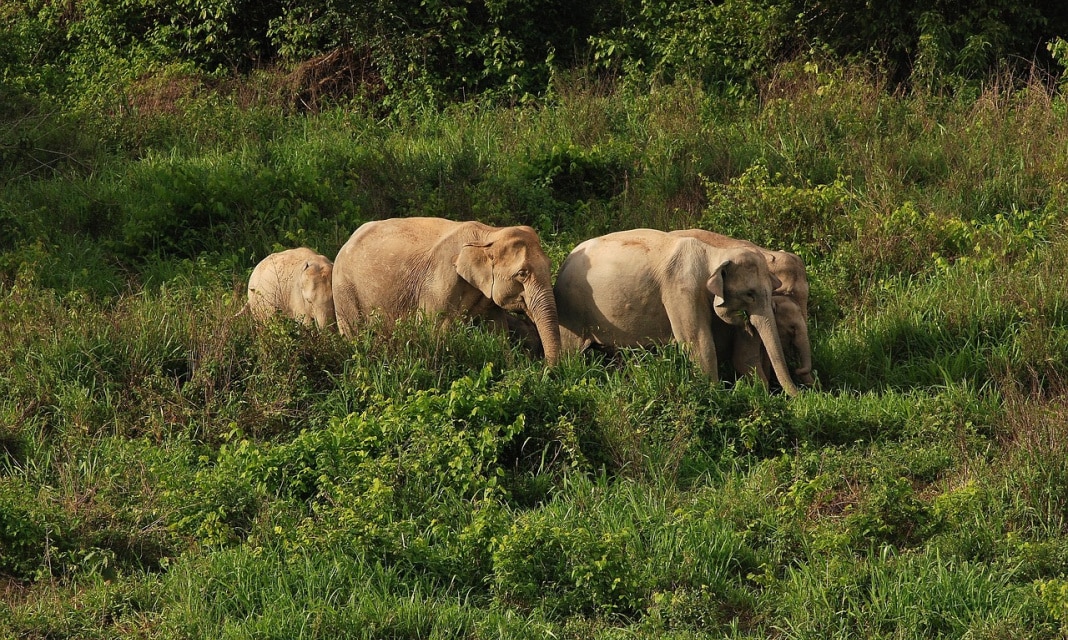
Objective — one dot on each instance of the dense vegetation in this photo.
(170, 470)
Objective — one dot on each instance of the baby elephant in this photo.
(793, 333)
(297, 283)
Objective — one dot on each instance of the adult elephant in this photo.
(790, 271)
(644, 287)
(401, 266)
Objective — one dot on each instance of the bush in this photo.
(625, 549)
(778, 213)
(723, 46)
(419, 481)
(565, 568)
(26, 532)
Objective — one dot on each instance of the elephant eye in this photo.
(522, 274)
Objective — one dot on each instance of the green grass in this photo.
(169, 470)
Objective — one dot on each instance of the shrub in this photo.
(565, 567)
(625, 549)
(781, 212)
(420, 480)
(722, 45)
(26, 531)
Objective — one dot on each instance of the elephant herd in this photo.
(716, 296)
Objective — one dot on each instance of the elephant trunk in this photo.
(804, 350)
(541, 309)
(326, 318)
(769, 335)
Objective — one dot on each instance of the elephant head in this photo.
(740, 288)
(316, 289)
(790, 270)
(510, 268)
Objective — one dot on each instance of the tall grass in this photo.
(169, 470)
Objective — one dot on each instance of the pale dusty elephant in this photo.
(645, 287)
(402, 266)
(790, 270)
(296, 283)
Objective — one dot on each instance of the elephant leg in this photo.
(571, 342)
(691, 326)
(745, 356)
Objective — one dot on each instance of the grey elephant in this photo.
(402, 266)
(790, 271)
(643, 287)
(297, 283)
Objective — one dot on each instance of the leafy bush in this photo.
(574, 175)
(25, 531)
(774, 212)
(419, 481)
(722, 45)
(623, 551)
(567, 569)
(937, 44)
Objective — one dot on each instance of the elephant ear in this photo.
(776, 285)
(475, 265)
(715, 281)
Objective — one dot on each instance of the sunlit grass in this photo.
(167, 469)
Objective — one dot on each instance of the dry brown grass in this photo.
(336, 77)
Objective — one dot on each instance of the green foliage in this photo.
(129, 604)
(954, 328)
(441, 52)
(216, 508)
(1055, 595)
(779, 211)
(183, 209)
(444, 51)
(566, 568)
(573, 175)
(912, 238)
(724, 45)
(419, 481)
(169, 470)
(620, 550)
(939, 45)
(907, 594)
(24, 531)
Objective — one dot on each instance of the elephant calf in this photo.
(747, 355)
(297, 283)
(793, 332)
